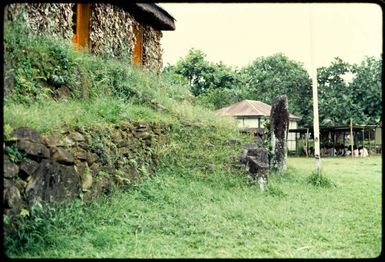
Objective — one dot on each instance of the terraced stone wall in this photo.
(57, 167)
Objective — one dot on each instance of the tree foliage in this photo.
(268, 77)
(202, 75)
(217, 85)
(340, 99)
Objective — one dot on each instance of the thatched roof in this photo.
(151, 13)
(249, 108)
(164, 19)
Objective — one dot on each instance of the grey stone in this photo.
(86, 180)
(53, 182)
(81, 167)
(62, 156)
(76, 136)
(51, 140)
(10, 169)
(36, 150)
(27, 168)
(79, 153)
(256, 161)
(91, 158)
(68, 141)
(26, 133)
(13, 197)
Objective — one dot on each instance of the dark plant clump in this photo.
(319, 180)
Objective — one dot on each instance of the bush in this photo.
(319, 180)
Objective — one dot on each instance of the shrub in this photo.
(319, 180)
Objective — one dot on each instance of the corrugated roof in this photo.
(248, 108)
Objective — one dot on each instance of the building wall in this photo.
(248, 122)
(111, 29)
(291, 142)
(152, 51)
(51, 18)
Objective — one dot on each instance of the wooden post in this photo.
(351, 135)
(363, 138)
(81, 38)
(137, 56)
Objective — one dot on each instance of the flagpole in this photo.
(317, 154)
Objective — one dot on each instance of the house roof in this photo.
(165, 20)
(249, 108)
(155, 15)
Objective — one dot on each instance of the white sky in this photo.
(238, 33)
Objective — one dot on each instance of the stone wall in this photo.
(152, 51)
(57, 167)
(51, 18)
(111, 31)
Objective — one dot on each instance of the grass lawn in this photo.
(179, 214)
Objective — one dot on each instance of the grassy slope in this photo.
(189, 214)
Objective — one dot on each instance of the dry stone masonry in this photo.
(52, 18)
(57, 167)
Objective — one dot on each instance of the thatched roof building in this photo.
(121, 29)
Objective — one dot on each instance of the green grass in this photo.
(189, 214)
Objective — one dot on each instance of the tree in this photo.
(360, 99)
(367, 91)
(334, 94)
(202, 75)
(268, 77)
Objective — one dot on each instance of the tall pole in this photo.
(351, 135)
(317, 154)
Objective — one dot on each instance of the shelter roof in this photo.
(249, 108)
(155, 15)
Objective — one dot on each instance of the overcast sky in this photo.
(236, 34)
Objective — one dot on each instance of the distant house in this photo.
(111, 28)
(251, 114)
